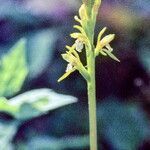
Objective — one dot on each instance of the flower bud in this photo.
(106, 40)
(76, 35)
(101, 33)
(82, 13)
(77, 19)
(85, 2)
(70, 58)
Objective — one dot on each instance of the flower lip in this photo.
(79, 45)
(69, 67)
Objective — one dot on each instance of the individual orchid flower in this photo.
(74, 63)
(103, 45)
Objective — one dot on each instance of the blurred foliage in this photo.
(124, 125)
(7, 132)
(34, 103)
(144, 50)
(38, 45)
(27, 105)
(13, 70)
(47, 143)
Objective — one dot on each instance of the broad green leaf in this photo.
(40, 49)
(13, 70)
(34, 103)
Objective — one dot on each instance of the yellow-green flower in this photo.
(103, 45)
(74, 63)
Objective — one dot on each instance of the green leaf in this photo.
(13, 70)
(40, 50)
(34, 103)
(111, 55)
(5, 106)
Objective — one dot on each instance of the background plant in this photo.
(25, 106)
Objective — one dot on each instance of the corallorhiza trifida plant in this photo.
(84, 39)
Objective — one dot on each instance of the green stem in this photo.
(90, 54)
(91, 87)
(92, 102)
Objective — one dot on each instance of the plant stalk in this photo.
(92, 102)
(92, 7)
(91, 87)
